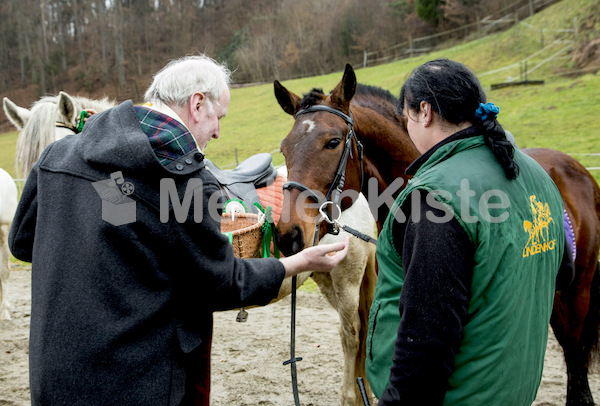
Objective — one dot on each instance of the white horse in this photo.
(8, 205)
(50, 118)
(346, 288)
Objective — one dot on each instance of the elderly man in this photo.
(122, 299)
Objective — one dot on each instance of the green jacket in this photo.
(516, 227)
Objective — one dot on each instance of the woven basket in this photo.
(246, 230)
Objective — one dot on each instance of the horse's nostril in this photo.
(296, 247)
(291, 242)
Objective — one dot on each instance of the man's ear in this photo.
(196, 101)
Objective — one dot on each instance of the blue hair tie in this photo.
(487, 110)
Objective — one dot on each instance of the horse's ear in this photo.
(66, 107)
(289, 102)
(344, 91)
(18, 116)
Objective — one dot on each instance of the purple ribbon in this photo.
(570, 234)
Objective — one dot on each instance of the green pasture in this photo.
(560, 114)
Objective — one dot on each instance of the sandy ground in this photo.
(248, 357)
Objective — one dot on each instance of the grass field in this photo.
(560, 114)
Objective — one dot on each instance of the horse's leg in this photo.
(346, 305)
(342, 288)
(575, 325)
(4, 273)
(367, 292)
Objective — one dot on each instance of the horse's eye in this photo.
(333, 144)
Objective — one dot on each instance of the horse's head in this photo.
(322, 159)
(49, 119)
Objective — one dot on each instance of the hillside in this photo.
(555, 114)
(549, 115)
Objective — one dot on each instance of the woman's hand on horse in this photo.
(320, 258)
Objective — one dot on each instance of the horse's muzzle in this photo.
(291, 242)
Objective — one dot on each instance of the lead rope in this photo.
(268, 237)
(363, 391)
(293, 359)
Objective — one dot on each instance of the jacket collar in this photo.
(420, 161)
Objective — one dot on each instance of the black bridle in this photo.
(332, 202)
(332, 198)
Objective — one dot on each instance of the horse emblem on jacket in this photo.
(539, 238)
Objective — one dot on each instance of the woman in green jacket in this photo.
(466, 283)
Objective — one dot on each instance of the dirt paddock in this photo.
(248, 357)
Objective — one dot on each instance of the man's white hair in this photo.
(181, 78)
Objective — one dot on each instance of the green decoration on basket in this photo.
(268, 230)
(235, 205)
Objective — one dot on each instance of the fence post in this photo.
(365, 58)
(410, 46)
(531, 8)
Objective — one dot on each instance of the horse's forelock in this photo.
(312, 98)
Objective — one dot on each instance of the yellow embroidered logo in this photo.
(539, 239)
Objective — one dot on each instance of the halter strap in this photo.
(336, 188)
(78, 128)
(339, 179)
(303, 189)
(58, 124)
(320, 107)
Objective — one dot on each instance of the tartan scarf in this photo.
(169, 139)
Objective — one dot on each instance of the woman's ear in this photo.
(425, 113)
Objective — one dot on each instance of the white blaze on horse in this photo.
(348, 288)
(8, 205)
(49, 119)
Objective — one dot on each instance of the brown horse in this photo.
(381, 149)
(576, 308)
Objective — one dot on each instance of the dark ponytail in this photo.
(455, 93)
(495, 138)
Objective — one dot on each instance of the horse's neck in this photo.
(388, 151)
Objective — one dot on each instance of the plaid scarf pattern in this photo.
(168, 138)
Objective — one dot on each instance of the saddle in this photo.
(241, 182)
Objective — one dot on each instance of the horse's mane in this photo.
(40, 129)
(369, 91)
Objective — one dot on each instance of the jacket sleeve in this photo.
(213, 273)
(438, 267)
(22, 231)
